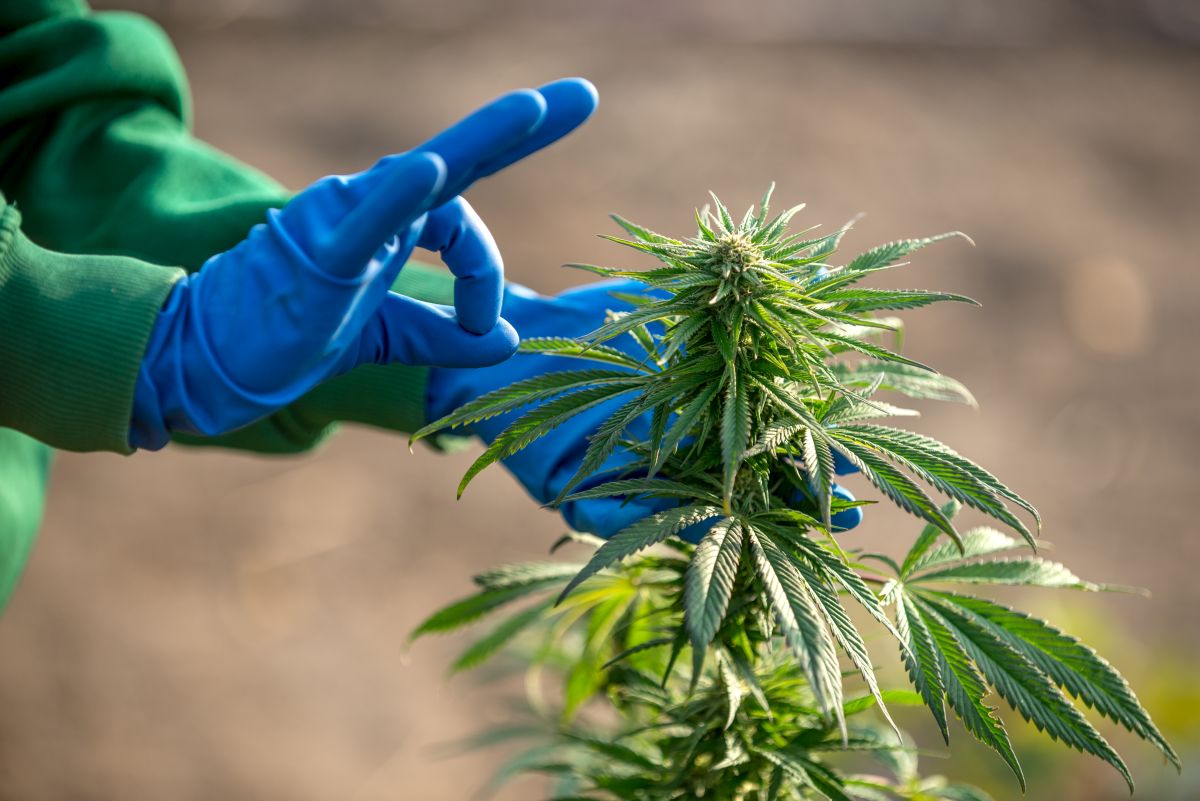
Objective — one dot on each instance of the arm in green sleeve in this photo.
(95, 147)
(73, 330)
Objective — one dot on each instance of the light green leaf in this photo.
(537, 423)
(735, 429)
(921, 661)
(525, 573)
(1073, 666)
(979, 541)
(800, 622)
(1026, 688)
(484, 648)
(638, 536)
(473, 607)
(1029, 571)
(710, 581)
(965, 690)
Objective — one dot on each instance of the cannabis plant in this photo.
(759, 363)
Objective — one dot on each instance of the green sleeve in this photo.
(96, 149)
(73, 330)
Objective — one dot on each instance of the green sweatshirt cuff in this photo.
(73, 331)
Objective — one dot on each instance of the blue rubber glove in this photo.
(305, 297)
(546, 466)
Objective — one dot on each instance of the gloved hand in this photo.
(545, 466)
(305, 297)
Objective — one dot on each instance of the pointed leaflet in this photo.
(733, 690)
(644, 234)
(562, 346)
(884, 255)
(482, 649)
(651, 487)
(525, 573)
(921, 661)
(868, 349)
(911, 439)
(895, 485)
(682, 425)
(773, 436)
(709, 581)
(537, 423)
(735, 428)
(965, 691)
(1073, 666)
(603, 443)
(980, 541)
(911, 381)
(800, 622)
(524, 393)
(637, 536)
(723, 214)
(1028, 571)
(846, 634)
(627, 321)
(818, 465)
(835, 570)
(473, 607)
(1026, 688)
(957, 477)
(859, 299)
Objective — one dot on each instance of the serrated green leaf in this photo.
(965, 690)
(934, 463)
(710, 580)
(1028, 571)
(921, 661)
(482, 649)
(735, 429)
(911, 381)
(473, 607)
(523, 393)
(839, 623)
(571, 348)
(642, 233)
(868, 349)
(979, 541)
(895, 485)
(946, 454)
(800, 622)
(539, 422)
(885, 255)
(524, 573)
(639, 536)
(1026, 688)
(1073, 666)
(861, 299)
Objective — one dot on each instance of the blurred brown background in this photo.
(207, 625)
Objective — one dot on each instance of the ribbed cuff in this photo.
(73, 331)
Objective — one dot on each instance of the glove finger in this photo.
(569, 103)
(409, 331)
(398, 193)
(480, 137)
(605, 517)
(468, 249)
(841, 465)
